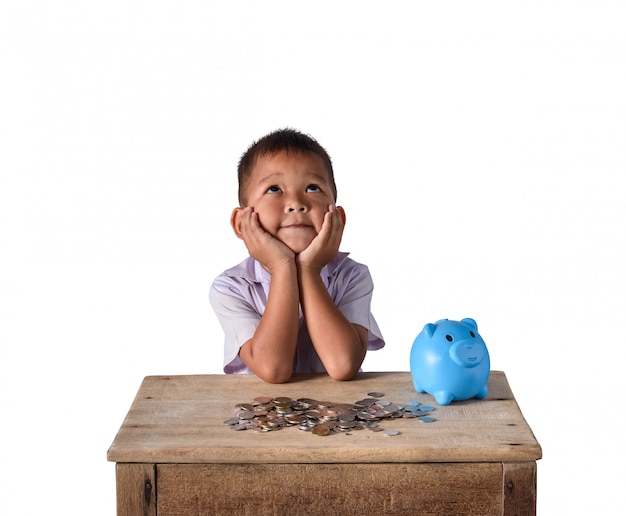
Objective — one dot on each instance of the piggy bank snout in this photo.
(468, 352)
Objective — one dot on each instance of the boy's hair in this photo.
(282, 140)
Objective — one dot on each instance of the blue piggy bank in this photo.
(450, 361)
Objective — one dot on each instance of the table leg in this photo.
(136, 489)
(520, 488)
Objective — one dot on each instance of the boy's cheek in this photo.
(266, 224)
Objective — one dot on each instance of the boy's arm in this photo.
(340, 344)
(270, 352)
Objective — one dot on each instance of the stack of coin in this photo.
(266, 414)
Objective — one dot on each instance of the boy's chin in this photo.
(297, 247)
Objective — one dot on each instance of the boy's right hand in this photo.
(263, 247)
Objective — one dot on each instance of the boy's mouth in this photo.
(297, 225)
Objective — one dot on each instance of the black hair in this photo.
(281, 140)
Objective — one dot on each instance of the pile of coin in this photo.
(265, 414)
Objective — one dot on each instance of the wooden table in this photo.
(175, 455)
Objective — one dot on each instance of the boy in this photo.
(296, 304)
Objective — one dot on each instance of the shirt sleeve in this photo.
(239, 320)
(353, 297)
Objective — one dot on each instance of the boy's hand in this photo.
(262, 246)
(325, 246)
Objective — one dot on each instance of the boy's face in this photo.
(290, 192)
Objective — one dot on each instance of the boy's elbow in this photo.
(345, 368)
(342, 374)
(283, 378)
(343, 377)
(275, 375)
(267, 369)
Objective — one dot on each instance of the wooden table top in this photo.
(180, 419)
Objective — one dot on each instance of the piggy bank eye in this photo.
(449, 338)
(473, 334)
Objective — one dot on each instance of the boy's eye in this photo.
(273, 189)
(312, 188)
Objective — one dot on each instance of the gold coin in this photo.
(321, 430)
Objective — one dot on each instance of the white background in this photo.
(479, 149)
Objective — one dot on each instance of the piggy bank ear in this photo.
(429, 330)
(470, 322)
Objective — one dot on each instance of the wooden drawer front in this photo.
(346, 489)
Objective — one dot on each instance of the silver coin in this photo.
(323, 417)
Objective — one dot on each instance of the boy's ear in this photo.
(342, 212)
(235, 221)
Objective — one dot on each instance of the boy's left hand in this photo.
(325, 246)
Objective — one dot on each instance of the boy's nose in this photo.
(296, 203)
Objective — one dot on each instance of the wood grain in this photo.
(175, 456)
(520, 488)
(179, 419)
(136, 489)
(356, 489)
